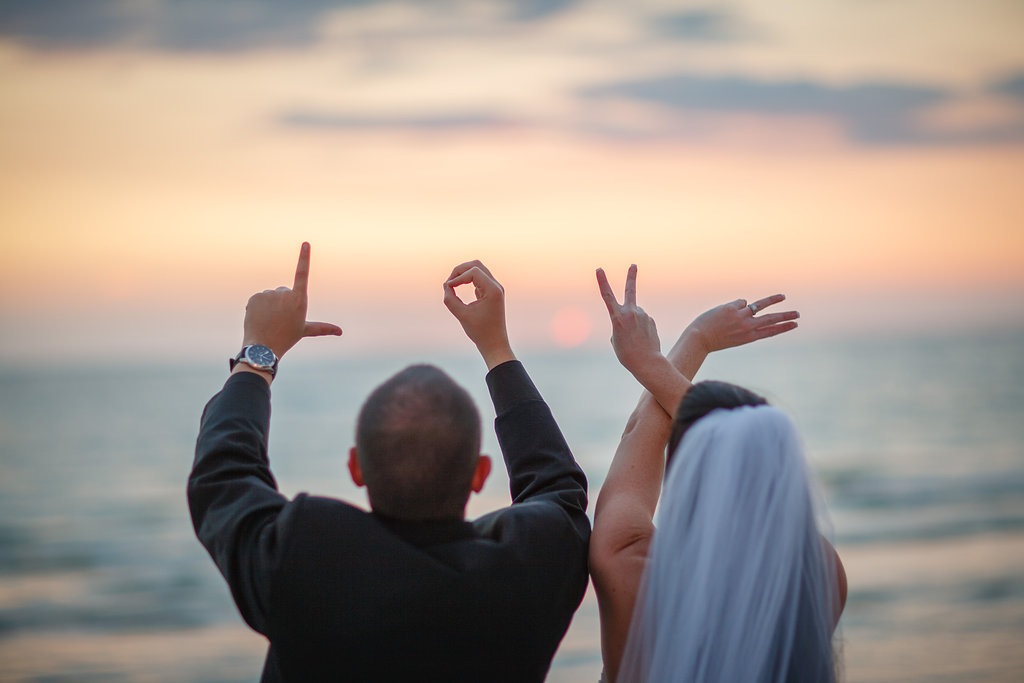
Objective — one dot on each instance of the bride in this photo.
(737, 583)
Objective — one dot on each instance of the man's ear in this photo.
(353, 467)
(480, 474)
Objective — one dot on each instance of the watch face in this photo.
(260, 356)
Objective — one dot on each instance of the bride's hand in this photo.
(634, 333)
(736, 323)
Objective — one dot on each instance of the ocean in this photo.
(918, 441)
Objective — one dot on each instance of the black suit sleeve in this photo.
(232, 494)
(539, 462)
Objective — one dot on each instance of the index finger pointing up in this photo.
(610, 302)
(302, 270)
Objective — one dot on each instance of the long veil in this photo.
(737, 585)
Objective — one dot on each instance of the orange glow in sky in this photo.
(570, 327)
(167, 184)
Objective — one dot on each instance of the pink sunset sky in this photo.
(162, 161)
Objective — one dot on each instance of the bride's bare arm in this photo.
(623, 516)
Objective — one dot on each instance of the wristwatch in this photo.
(256, 356)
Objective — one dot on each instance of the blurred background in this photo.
(161, 160)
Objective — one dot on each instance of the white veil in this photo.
(737, 586)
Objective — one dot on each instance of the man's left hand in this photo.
(277, 317)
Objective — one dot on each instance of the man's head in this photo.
(418, 446)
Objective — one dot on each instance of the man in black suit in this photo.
(410, 590)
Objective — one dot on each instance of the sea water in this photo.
(918, 442)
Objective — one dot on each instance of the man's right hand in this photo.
(483, 319)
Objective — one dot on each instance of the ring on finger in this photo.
(753, 309)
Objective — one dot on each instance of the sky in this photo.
(162, 160)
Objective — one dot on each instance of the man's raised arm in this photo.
(232, 495)
(538, 460)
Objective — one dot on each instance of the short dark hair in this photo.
(701, 399)
(418, 440)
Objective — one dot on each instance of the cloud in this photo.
(190, 26)
(685, 91)
(533, 10)
(172, 25)
(434, 123)
(872, 113)
(702, 25)
(1011, 85)
(486, 67)
(685, 106)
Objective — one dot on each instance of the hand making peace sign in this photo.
(638, 348)
(634, 333)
